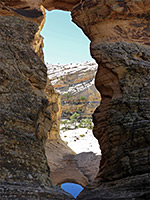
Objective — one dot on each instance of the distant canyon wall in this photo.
(75, 83)
(119, 34)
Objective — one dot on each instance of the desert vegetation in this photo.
(76, 122)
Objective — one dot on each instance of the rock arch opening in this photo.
(119, 34)
(75, 84)
(64, 42)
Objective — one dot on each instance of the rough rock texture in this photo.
(25, 117)
(119, 33)
(33, 9)
(75, 84)
(55, 110)
(65, 165)
(30, 115)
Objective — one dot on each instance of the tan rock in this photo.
(119, 34)
(55, 110)
(119, 43)
(25, 117)
(77, 91)
(66, 166)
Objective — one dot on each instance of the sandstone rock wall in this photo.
(33, 9)
(25, 114)
(119, 33)
(54, 100)
(66, 166)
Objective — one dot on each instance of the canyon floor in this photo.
(80, 140)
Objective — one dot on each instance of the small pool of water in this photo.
(72, 188)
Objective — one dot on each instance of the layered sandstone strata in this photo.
(25, 115)
(75, 84)
(119, 34)
(33, 9)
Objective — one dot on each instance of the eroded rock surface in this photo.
(75, 84)
(66, 166)
(25, 117)
(33, 9)
(54, 100)
(119, 33)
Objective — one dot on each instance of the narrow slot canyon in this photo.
(29, 108)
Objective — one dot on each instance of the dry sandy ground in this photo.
(81, 140)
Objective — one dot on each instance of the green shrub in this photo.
(62, 78)
(86, 123)
(66, 111)
(66, 95)
(74, 119)
(89, 124)
(82, 124)
(79, 109)
(82, 135)
(66, 124)
(82, 98)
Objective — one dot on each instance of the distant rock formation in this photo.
(75, 83)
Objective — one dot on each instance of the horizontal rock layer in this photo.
(126, 188)
(25, 115)
(75, 84)
(31, 192)
(33, 9)
(119, 36)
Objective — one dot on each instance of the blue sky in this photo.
(64, 42)
(72, 188)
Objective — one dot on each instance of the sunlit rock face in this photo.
(119, 34)
(33, 8)
(26, 116)
(75, 83)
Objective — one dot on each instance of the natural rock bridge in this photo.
(119, 31)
